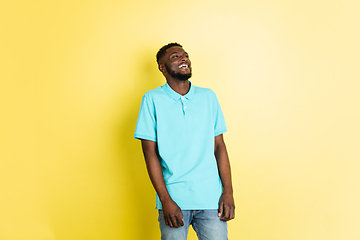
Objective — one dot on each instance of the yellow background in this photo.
(72, 76)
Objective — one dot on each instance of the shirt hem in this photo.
(140, 136)
(220, 132)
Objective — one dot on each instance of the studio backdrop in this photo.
(72, 73)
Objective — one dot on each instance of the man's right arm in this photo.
(171, 211)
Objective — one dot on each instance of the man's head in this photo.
(174, 62)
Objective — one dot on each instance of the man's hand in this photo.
(172, 214)
(226, 207)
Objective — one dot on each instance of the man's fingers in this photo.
(228, 213)
(174, 217)
(221, 207)
(180, 219)
(226, 207)
(232, 212)
(168, 221)
(174, 222)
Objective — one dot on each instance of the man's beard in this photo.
(178, 75)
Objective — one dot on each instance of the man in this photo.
(181, 130)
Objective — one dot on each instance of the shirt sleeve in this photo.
(146, 123)
(219, 125)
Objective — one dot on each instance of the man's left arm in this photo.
(226, 202)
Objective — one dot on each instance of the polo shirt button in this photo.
(185, 107)
(182, 98)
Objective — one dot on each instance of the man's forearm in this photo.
(223, 162)
(226, 201)
(154, 170)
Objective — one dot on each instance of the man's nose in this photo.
(184, 58)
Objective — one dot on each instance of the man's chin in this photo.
(183, 77)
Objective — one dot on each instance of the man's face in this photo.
(177, 63)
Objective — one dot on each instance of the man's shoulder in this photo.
(153, 92)
(204, 91)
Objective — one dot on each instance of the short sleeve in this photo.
(219, 125)
(146, 123)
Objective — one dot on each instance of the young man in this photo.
(180, 127)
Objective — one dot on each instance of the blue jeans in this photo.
(206, 224)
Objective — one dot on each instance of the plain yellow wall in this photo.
(72, 76)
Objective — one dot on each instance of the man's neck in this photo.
(180, 86)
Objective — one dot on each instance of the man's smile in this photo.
(184, 65)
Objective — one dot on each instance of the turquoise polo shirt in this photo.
(184, 128)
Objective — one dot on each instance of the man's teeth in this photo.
(183, 66)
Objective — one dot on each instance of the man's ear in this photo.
(161, 67)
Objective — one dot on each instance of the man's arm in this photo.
(171, 211)
(226, 202)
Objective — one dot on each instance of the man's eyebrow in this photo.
(173, 53)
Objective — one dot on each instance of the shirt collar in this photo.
(176, 96)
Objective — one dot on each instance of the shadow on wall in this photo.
(140, 195)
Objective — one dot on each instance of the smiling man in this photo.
(181, 131)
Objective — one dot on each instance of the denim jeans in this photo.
(206, 224)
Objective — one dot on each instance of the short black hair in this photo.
(162, 50)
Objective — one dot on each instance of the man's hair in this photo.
(162, 50)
